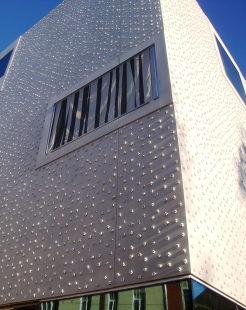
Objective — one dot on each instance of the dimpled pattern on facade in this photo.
(159, 197)
(64, 225)
(210, 124)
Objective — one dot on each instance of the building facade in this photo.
(123, 155)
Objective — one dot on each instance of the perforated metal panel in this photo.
(59, 222)
(62, 240)
(211, 124)
(140, 21)
(112, 213)
(151, 229)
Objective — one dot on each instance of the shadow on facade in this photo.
(242, 163)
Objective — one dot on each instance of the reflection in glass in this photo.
(112, 301)
(139, 299)
(156, 297)
(232, 72)
(4, 63)
(50, 305)
(171, 296)
(117, 92)
(85, 303)
(204, 298)
(81, 303)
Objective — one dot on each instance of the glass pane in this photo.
(155, 89)
(124, 89)
(240, 308)
(74, 106)
(131, 93)
(232, 72)
(85, 109)
(81, 303)
(147, 76)
(110, 114)
(139, 299)
(155, 298)
(135, 68)
(95, 302)
(119, 77)
(60, 130)
(125, 300)
(186, 294)
(150, 298)
(4, 63)
(69, 129)
(70, 304)
(111, 301)
(92, 107)
(53, 129)
(204, 298)
(105, 98)
(78, 115)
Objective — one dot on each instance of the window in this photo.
(139, 299)
(119, 91)
(5, 59)
(205, 298)
(4, 63)
(231, 71)
(52, 305)
(112, 301)
(85, 303)
(184, 295)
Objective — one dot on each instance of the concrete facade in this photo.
(157, 194)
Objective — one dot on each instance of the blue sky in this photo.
(227, 16)
(229, 19)
(18, 16)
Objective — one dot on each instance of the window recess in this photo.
(119, 91)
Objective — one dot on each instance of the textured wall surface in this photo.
(112, 212)
(108, 214)
(211, 131)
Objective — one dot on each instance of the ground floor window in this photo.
(139, 299)
(180, 295)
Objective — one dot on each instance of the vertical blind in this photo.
(117, 92)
